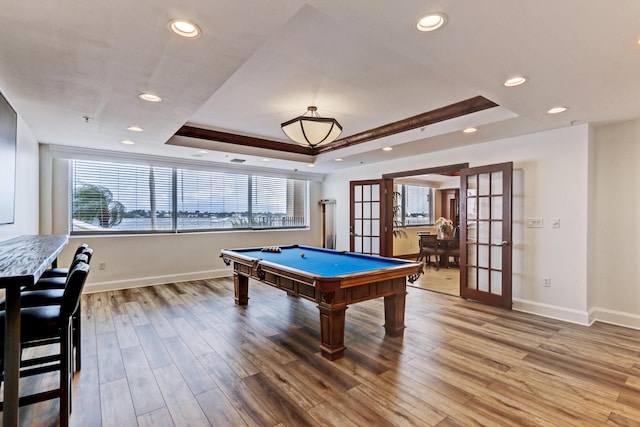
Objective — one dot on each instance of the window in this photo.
(122, 198)
(211, 200)
(278, 202)
(415, 205)
(117, 197)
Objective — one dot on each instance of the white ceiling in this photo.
(260, 63)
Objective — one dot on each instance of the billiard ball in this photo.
(302, 254)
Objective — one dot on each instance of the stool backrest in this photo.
(73, 289)
(81, 248)
(89, 253)
(78, 259)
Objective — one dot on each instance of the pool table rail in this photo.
(411, 270)
(332, 294)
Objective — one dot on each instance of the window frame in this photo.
(303, 193)
(401, 220)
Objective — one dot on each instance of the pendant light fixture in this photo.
(311, 129)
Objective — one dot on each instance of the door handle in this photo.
(504, 243)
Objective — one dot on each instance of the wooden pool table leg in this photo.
(240, 288)
(332, 314)
(394, 306)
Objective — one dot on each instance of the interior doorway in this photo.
(485, 232)
(440, 275)
(420, 201)
(484, 251)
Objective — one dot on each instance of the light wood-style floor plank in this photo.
(110, 366)
(219, 410)
(116, 404)
(185, 354)
(181, 402)
(142, 384)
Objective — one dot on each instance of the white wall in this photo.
(140, 260)
(550, 175)
(614, 278)
(27, 210)
(586, 177)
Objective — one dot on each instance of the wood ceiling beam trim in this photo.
(450, 170)
(462, 108)
(468, 106)
(249, 141)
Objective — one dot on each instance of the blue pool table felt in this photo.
(321, 262)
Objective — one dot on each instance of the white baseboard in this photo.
(552, 311)
(595, 314)
(155, 280)
(614, 317)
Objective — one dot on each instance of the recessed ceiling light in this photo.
(149, 97)
(387, 149)
(469, 130)
(135, 129)
(203, 152)
(184, 28)
(311, 165)
(128, 142)
(338, 159)
(515, 81)
(431, 22)
(556, 110)
(266, 160)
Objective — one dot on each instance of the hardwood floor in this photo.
(443, 280)
(185, 354)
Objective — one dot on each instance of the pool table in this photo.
(333, 279)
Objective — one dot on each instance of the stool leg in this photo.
(66, 348)
(77, 337)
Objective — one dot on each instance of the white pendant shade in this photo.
(312, 130)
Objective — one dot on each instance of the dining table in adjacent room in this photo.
(23, 259)
(446, 245)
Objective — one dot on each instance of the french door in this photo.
(369, 226)
(485, 234)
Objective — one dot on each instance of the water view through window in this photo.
(114, 197)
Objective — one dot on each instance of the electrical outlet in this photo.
(534, 223)
(546, 282)
(102, 266)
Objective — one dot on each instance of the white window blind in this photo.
(208, 200)
(113, 197)
(278, 202)
(118, 197)
(417, 205)
(414, 205)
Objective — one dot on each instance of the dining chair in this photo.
(454, 247)
(428, 246)
(46, 325)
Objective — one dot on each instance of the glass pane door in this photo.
(486, 233)
(367, 225)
